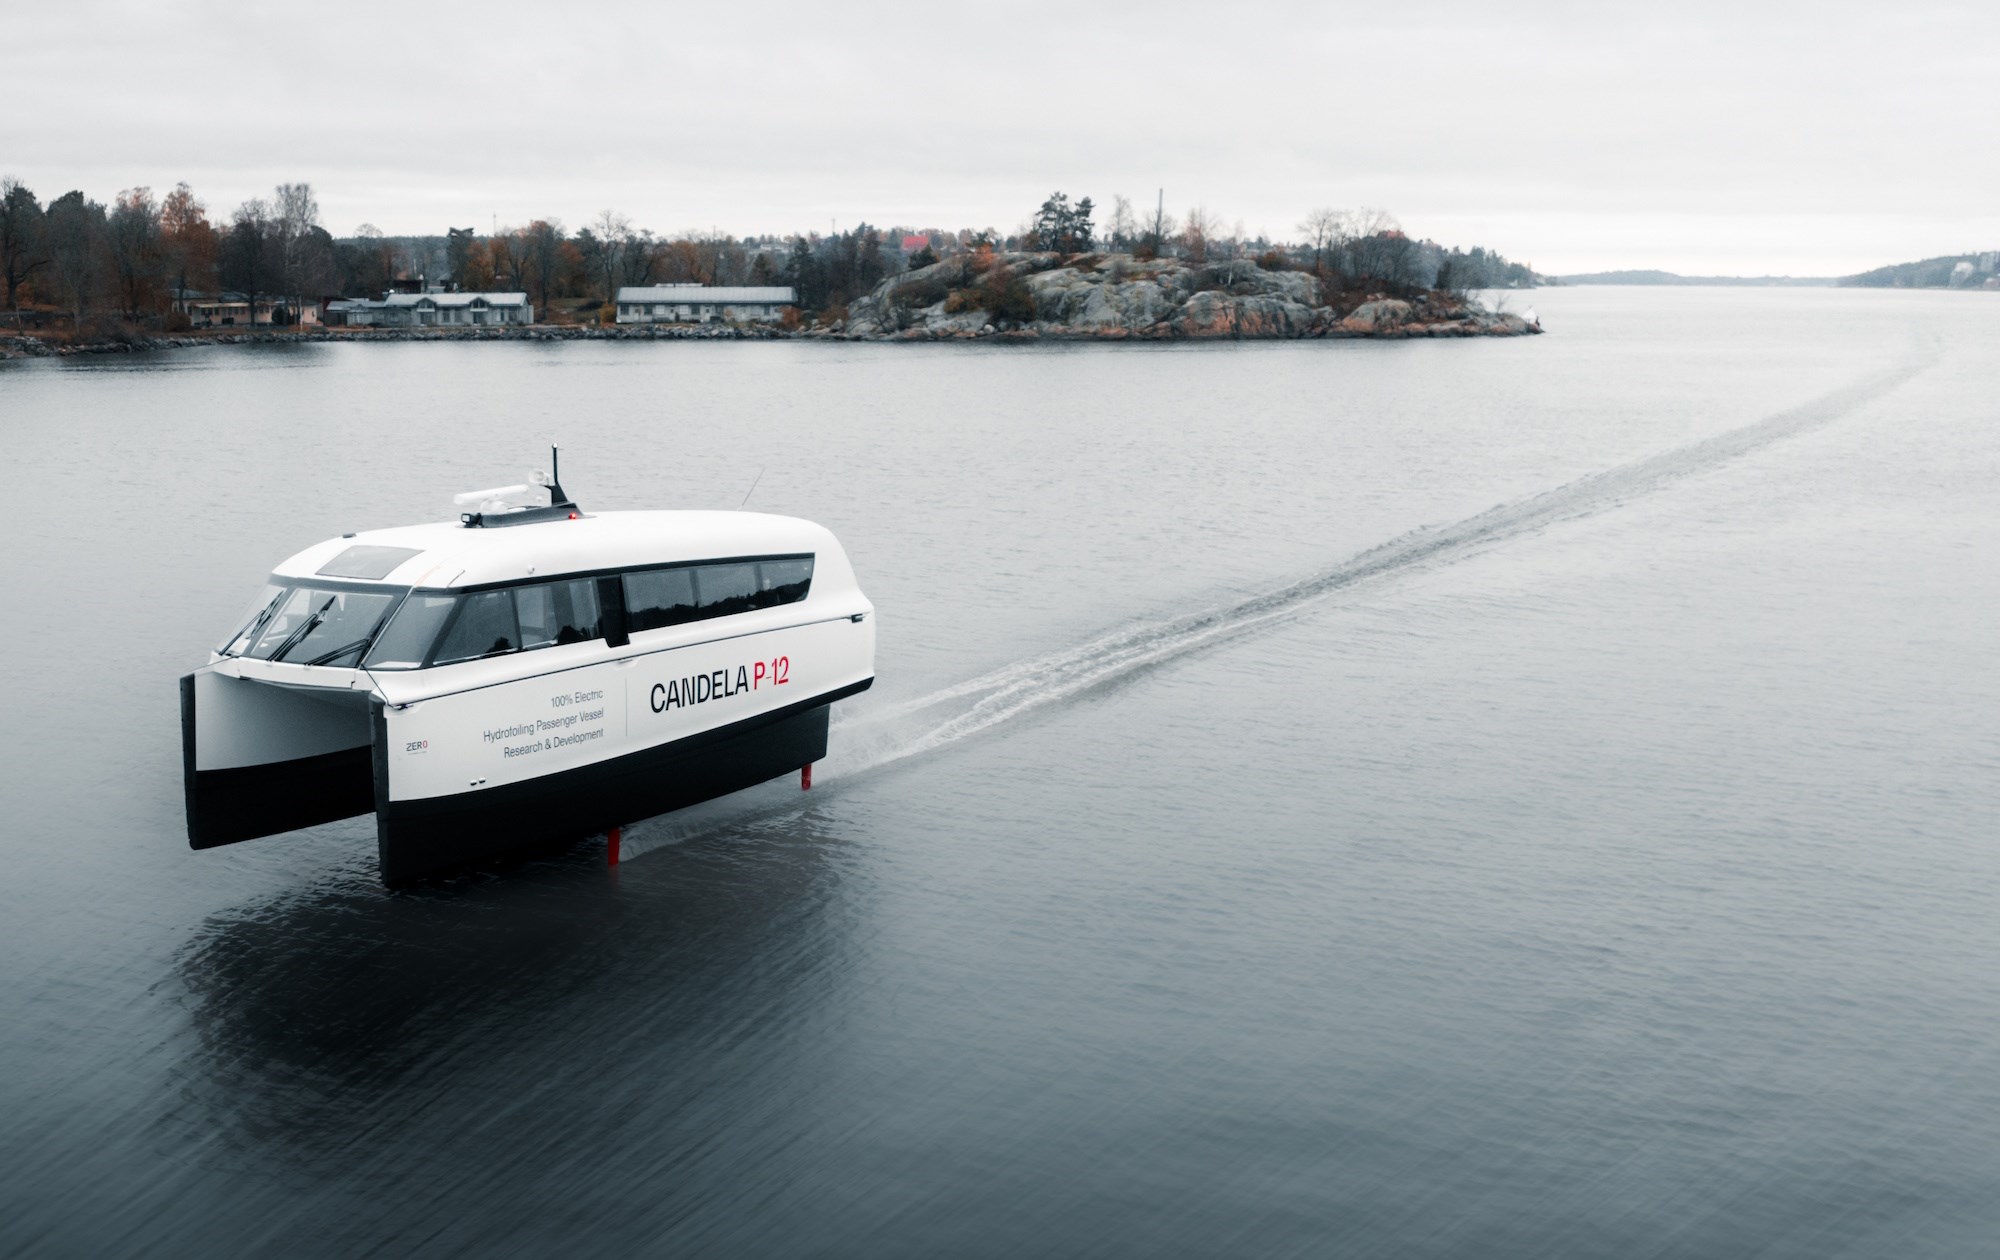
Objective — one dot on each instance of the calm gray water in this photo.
(1436, 800)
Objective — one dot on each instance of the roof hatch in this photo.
(363, 561)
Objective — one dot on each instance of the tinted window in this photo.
(726, 588)
(407, 639)
(696, 592)
(316, 626)
(557, 612)
(659, 597)
(484, 627)
(784, 581)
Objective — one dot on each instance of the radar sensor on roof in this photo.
(541, 499)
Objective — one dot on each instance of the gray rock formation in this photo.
(1376, 317)
(1115, 296)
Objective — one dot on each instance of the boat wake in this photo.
(886, 736)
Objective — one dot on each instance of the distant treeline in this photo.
(1954, 271)
(1671, 278)
(84, 258)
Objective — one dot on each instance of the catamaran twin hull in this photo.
(559, 678)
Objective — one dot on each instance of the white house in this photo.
(702, 303)
(434, 310)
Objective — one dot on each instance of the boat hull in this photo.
(258, 760)
(419, 838)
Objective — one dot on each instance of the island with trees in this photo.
(1952, 271)
(77, 275)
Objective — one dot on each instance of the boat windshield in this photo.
(314, 625)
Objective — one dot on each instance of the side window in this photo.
(784, 581)
(557, 612)
(697, 592)
(659, 597)
(726, 588)
(484, 627)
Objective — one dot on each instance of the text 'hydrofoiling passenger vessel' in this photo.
(530, 671)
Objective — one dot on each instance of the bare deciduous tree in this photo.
(1200, 229)
(1122, 228)
(1322, 229)
(294, 215)
(612, 234)
(136, 252)
(1364, 238)
(1159, 229)
(420, 259)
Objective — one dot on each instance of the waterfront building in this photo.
(702, 303)
(432, 310)
(230, 309)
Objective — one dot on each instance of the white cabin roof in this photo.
(455, 299)
(450, 555)
(684, 293)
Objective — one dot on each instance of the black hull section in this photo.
(249, 802)
(419, 838)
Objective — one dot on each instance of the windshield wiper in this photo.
(341, 651)
(248, 636)
(306, 627)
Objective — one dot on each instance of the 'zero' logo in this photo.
(416, 745)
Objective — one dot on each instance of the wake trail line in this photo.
(982, 703)
(895, 733)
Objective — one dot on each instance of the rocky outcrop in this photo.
(1376, 317)
(1024, 296)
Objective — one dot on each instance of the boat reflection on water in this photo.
(523, 998)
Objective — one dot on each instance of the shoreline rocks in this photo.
(1092, 297)
(1116, 297)
(24, 346)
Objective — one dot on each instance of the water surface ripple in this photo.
(1605, 872)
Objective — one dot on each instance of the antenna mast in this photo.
(556, 495)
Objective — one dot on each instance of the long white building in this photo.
(428, 310)
(702, 303)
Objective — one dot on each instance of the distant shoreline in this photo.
(29, 346)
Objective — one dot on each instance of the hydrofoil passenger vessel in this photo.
(529, 671)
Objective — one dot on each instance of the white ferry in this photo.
(532, 670)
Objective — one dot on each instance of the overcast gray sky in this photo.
(1730, 138)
